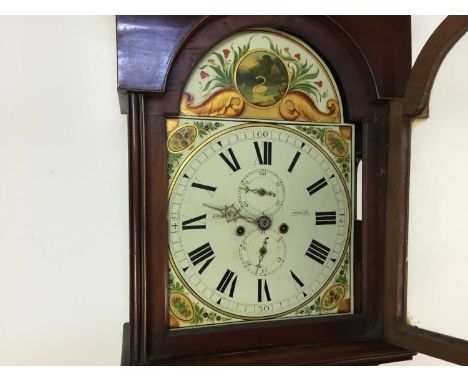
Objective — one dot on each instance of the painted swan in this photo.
(260, 88)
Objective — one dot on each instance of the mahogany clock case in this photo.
(155, 55)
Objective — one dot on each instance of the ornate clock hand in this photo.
(260, 191)
(263, 251)
(231, 213)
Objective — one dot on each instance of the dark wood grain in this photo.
(396, 216)
(321, 340)
(144, 67)
(143, 56)
(136, 185)
(390, 65)
(347, 353)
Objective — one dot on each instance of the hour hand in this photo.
(231, 213)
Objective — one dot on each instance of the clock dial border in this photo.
(347, 247)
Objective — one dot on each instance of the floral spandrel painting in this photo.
(262, 74)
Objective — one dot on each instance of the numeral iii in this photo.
(325, 218)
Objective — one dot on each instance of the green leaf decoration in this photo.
(220, 58)
(208, 84)
(219, 72)
(342, 275)
(308, 76)
(172, 163)
(224, 73)
(301, 73)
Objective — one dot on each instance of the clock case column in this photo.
(367, 76)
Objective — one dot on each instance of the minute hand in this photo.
(259, 191)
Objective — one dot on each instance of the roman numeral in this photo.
(318, 252)
(294, 161)
(263, 287)
(318, 185)
(203, 253)
(228, 278)
(267, 148)
(203, 187)
(325, 218)
(232, 163)
(187, 224)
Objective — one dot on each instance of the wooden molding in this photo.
(424, 72)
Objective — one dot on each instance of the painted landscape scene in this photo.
(262, 78)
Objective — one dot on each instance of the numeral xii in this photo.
(264, 158)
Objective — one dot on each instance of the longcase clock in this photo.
(245, 136)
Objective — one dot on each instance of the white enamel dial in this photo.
(259, 220)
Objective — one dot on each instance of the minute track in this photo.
(314, 190)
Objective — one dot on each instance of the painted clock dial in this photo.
(260, 221)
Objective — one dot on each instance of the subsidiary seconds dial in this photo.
(259, 219)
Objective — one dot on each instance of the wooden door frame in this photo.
(415, 104)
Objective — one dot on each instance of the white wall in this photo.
(63, 191)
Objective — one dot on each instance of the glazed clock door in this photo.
(426, 265)
(260, 204)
